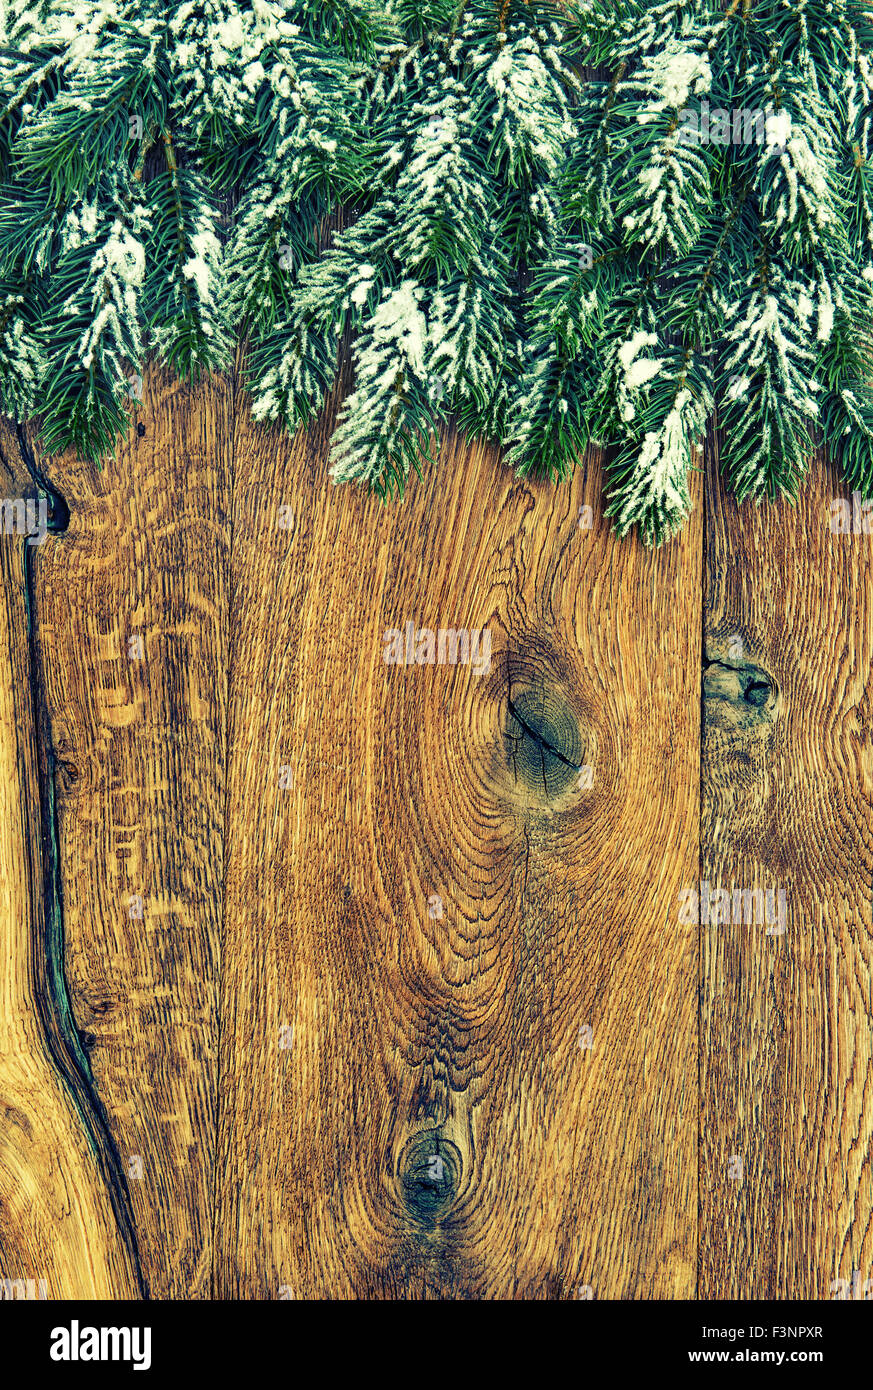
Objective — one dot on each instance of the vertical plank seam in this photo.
(701, 733)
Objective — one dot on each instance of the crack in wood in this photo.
(756, 687)
(65, 1042)
(539, 740)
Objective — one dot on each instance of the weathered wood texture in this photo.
(412, 1010)
(59, 1233)
(432, 912)
(787, 1016)
(132, 636)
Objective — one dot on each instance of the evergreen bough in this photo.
(598, 221)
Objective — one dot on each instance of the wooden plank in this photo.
(786, 1067)
(425, 911)
(131, 614)
(64, 1229)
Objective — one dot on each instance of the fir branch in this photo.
(548, 258)
(181, 296)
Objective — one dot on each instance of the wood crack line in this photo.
(540, 741)
(51, 990)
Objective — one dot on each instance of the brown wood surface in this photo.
(396, 914)
(786, 1055)
(59, 1233)
(415, 1036)
(140, 790)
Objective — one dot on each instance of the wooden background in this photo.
(281, 924)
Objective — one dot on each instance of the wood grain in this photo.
(786, 1057)
(419, 927)
(63, 1227)
(132, 619)
(412, 1009)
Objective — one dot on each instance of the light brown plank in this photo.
(140, 741)
(59, 1232)
(365, 1035)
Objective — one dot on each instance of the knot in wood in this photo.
(544, 744)
(430, 1174)
(738, 693)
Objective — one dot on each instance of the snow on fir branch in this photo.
(600, 221)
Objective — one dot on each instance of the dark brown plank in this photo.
(786, 1066)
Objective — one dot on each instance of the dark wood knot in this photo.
(430, 1175)
(544, 744)
(738, 692)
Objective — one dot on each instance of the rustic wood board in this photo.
(787, 1015)
(412, 1009)
(419, 926)
(60, 1231)
(132, 631)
